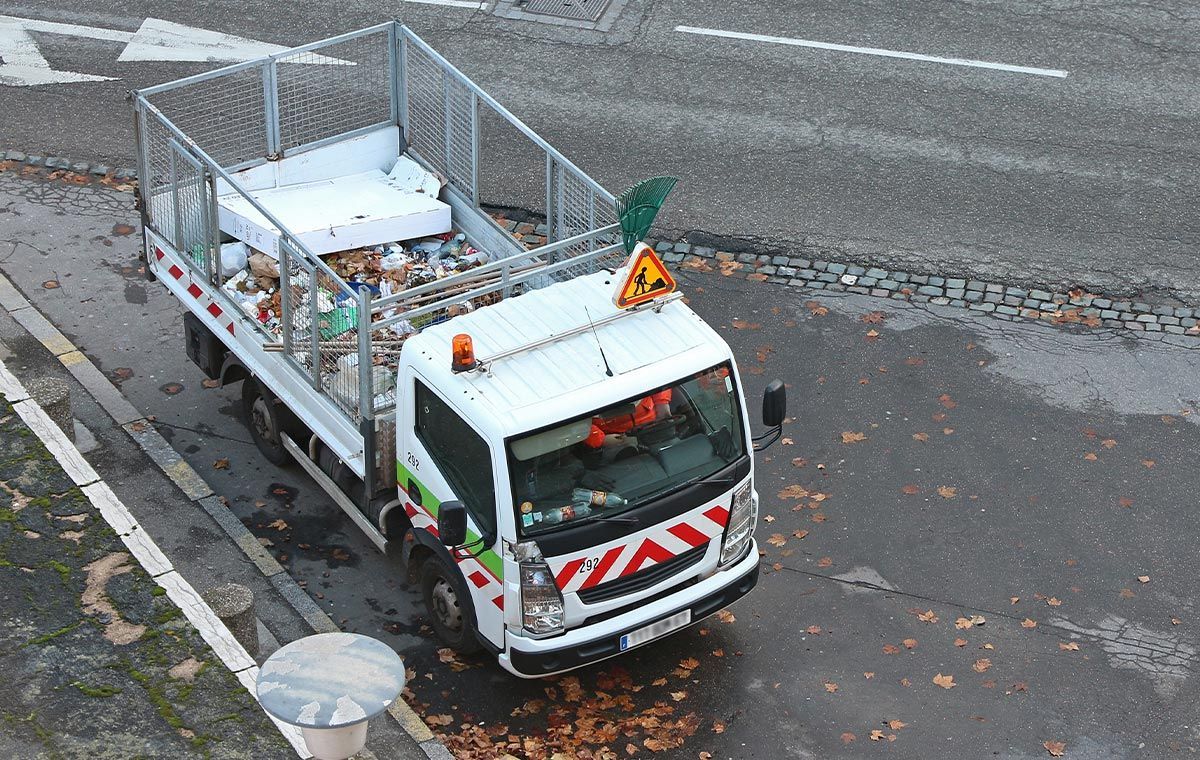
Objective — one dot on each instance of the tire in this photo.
(265, 418)
(449, 613)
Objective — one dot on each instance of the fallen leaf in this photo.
(1028, 623)
(221, 464)
(725, 616)
(793, 492)
(1056, 749)
(814, 630)
(947, 431)
(896, 724)
(718, 727)
(831, 687)
(928, 616)
(1127, 593)
(868, 674)
(1148, 463)
(891, 649)
(905, 682)
(1175, 621)
(819, 518)
(982, 665)
(946, 682)
(799, 462)
(1014, 599)
(1054, 602)
(848, 437)
(659, 682)
(1070, 646)
(909, 643)
(689, 663)
(1125, 501)
(679, 696)
(769, 518)
(876, 735)
(848, 737)
(785, 441)
(873, 318)
(278, 524)
(439, 720)
(910, 489)
(872, 334)
(1108, 443)
(777, 539)
(741, 324)
(50, 284)
(947, 492)
(824, 561)
(210, 383)
(946, 401)
(800, 533)
(1143, 579)
(817, 309)
(920, 437)
(914, 361)
(1091, 456)
(960, 642)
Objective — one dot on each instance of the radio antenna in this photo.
(607, 369)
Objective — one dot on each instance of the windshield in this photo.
(603, 463)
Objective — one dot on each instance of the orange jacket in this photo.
(644, 413)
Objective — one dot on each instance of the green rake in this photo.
(637, 207)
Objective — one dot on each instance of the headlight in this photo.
(740, 526)
(541, 604)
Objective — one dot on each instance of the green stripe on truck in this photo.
(430, 503)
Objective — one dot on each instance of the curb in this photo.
(143, 549)
(194, 487)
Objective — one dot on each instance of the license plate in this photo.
(654, 630)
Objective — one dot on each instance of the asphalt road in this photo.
(1083, 180)
(1011, 472)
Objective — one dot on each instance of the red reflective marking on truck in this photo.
(229, 327)
(159, 253)
(410, 510)
(688, 534)
(606, 562)
(719, 515)
(568, 572)
(194, 290)
(175, 271)
(214, 310)
(499, 601)
(648, 550)
(479, 579)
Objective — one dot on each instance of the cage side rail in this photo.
(412, 38)
(281, 56)
(492, 287)
(490, 268)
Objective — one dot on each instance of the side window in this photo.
(461, 454)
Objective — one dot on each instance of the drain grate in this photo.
(576, 10)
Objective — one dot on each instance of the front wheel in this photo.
(264, 417)
(447, 609)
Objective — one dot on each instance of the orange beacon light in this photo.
(463, 353)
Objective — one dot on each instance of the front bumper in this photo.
(531, 658)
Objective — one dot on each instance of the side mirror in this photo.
(774, 404)
(452, 523)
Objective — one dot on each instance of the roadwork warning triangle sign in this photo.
(646, 279)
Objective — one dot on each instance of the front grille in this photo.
(643, 579)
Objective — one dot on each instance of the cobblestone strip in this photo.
(996, 299)
(1002, 301)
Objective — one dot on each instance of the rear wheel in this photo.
(448, 610)
(264, 417)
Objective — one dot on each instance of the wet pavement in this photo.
(977, 534)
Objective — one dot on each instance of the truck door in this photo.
(442, 456)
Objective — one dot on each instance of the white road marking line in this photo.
(1059, 73)
(218, 637)
(72, 30)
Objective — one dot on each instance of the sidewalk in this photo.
(107, 664)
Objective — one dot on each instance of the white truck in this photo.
(566, 478)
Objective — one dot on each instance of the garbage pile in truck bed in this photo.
(384, 270)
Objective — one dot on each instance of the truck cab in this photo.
(578, 484)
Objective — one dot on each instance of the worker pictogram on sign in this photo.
(645, 280)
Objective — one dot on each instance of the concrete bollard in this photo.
(234, 605)
(54, 396)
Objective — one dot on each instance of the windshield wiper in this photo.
(623, 519)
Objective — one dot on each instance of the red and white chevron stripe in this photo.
(640, 551)
(195, 291)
